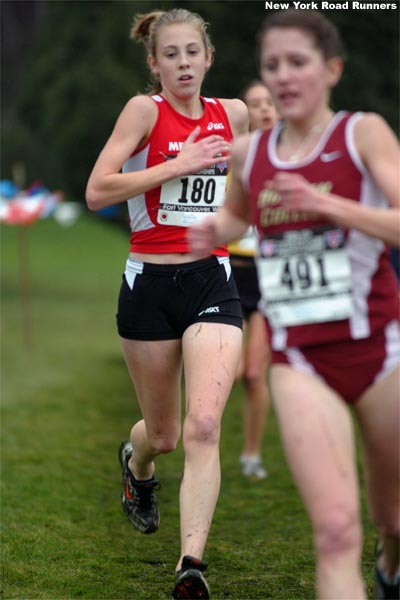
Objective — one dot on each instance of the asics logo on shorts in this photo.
(211, 309)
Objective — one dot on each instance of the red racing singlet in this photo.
(159, 217)
(320, 283)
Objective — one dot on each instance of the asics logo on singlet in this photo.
(174, 146)
(213, 126)
(211, 309)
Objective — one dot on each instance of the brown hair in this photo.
(326, 36)
(145, 28)
(249, 86)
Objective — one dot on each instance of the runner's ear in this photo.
(334, 68)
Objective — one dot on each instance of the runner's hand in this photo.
(202, 237)
(295, 192)
(197, 155)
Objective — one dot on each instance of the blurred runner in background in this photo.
(254, 360)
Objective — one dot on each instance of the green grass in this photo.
(67, 401)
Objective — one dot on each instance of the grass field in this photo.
(67, 402)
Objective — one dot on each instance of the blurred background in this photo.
(69, 67)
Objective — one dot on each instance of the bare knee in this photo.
(254, 379)
(201, 429)
(255, 373)
(163, 443)
(337, 531)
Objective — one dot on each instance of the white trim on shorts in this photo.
(392, 350)
(132, 268)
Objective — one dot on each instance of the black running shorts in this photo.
(159, 302)
(245, 274)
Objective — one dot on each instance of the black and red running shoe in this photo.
(138, 499)
(190, 581)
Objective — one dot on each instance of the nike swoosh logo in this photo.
(330, 156)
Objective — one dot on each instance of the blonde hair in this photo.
(145, 29)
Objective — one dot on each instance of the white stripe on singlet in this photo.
(392, 349)
(364, 251)
(139, 217)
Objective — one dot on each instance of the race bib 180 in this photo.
(185, 200)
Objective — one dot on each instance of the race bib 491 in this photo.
(305, 277)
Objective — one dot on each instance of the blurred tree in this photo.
(83, 68)
(371, 77)
(80, 74)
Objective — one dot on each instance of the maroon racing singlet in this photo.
(320, 283)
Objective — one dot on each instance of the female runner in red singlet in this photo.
(174, 311)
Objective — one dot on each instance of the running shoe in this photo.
(190, 581)
(386, 588)
(138, 499)
(251, 466)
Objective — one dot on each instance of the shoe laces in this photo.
(145, 492)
